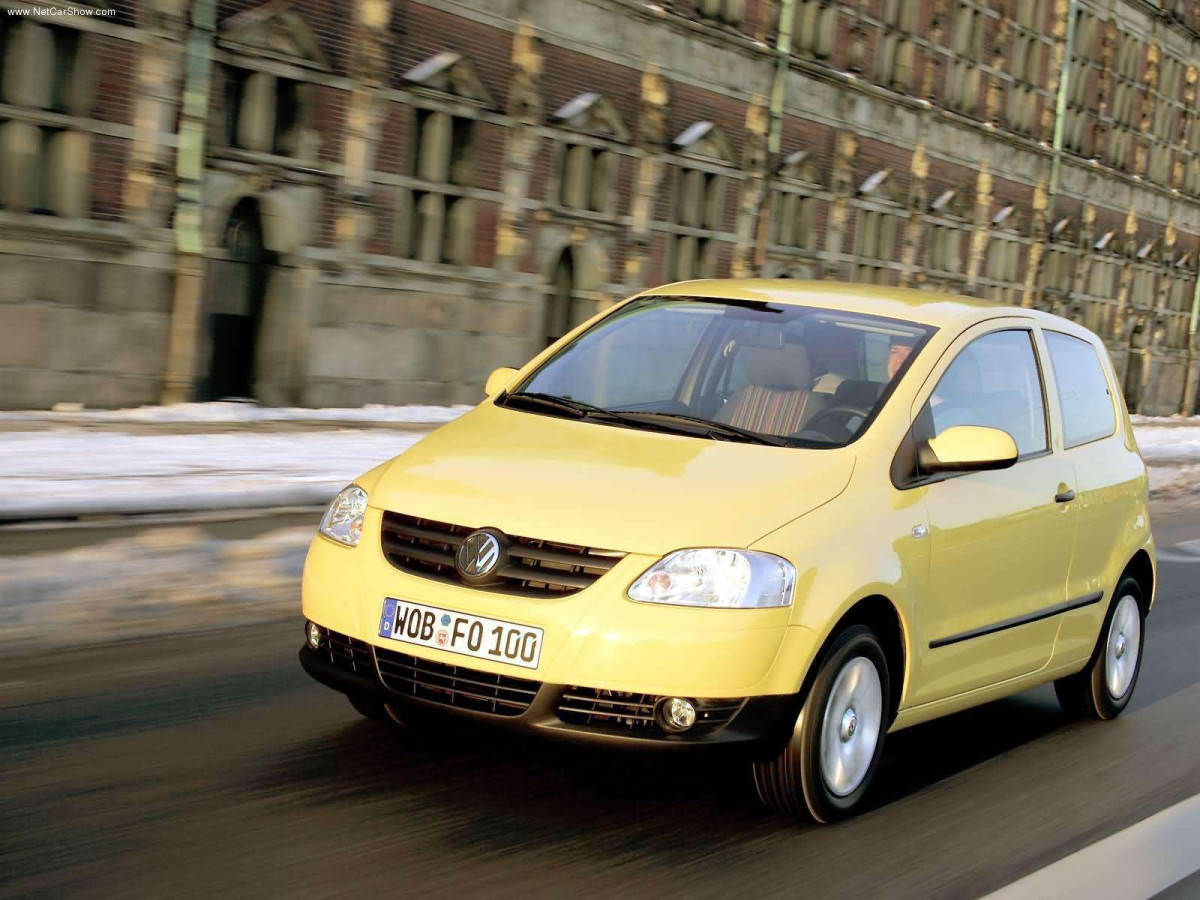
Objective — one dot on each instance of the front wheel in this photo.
(1104, 688)
(826, 768)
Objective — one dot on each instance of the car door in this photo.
(1108, 473)
(1000, 541)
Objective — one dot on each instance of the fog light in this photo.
(676, 714)
(314, 635)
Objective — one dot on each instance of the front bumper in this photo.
(755, 727)
(597, 637)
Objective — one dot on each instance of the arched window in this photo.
(881, 218)
(796, 201)
(699, 176)
(1167, 111)
(1104, 270)
(265, 68)
(1126, 105)
(44, 168)
(1082, 85)
(1003, 272)
(896, 47)
(589, 155)
(1179, 301)
(1058, 270)
(1025, 65)
(961, 85)
(435, 221)
(948, 234)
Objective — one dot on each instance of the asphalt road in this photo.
(211, 765)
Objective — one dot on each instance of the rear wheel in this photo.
(1104, 688)
(826, 768)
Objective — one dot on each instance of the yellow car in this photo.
(776, 517)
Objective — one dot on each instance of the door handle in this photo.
(1064, 496)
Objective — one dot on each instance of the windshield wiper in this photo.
(674, 423)
(705, 426)
(576, 408)
(552, 401)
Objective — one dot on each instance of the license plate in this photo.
(462, 633)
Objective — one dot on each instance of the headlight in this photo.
(725, 579)
(343, 521)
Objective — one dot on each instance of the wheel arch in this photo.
(1141, 568)
(882, 616)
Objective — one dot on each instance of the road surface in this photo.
(210, 765)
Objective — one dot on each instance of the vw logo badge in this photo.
(479, 555)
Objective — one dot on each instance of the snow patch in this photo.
(48, 474)
(232, 413)
(75, 468)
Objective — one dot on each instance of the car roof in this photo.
(924, 307)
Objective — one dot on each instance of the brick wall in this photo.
(426, 331)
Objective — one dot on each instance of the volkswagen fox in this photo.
(777, 518)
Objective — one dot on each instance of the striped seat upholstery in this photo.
(778, 397)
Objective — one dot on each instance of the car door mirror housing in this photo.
(498, 380)
(967, 448)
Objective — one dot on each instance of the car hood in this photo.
(606, 487)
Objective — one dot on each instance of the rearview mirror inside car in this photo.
(967, 448)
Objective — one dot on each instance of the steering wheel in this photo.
(844, 413)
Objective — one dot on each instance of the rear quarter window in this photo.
(1083, 393)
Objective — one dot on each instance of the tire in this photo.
(1103, 689)
(825, 770)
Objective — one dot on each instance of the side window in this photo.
(1083, 394)
(994, 381)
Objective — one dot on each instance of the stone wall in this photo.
(389, 340)
(419, 208)
(90, 331)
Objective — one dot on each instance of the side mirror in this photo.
(967, 448)
(498, 380)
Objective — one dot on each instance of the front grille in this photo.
(471, 689)
(635, 712)
(535, 567)
(349, 654)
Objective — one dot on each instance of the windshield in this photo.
(728, 370)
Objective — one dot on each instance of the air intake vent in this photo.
(635, 712)
(534, 568)
(499, 695)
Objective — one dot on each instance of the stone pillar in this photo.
(841, 184)
(1188, 405)
(1108, 51)
(916, 231)
(1120, 331)
(651, 138)
(1058, 65)
(1146, 111)
(524, 110)
(189, 172)
(369, 74)
(160, 62)
(1032, 294)
(181, 340)
(929, 80)
(982, 219)
(1087, 237)
(1001, 50)
(753, 221)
